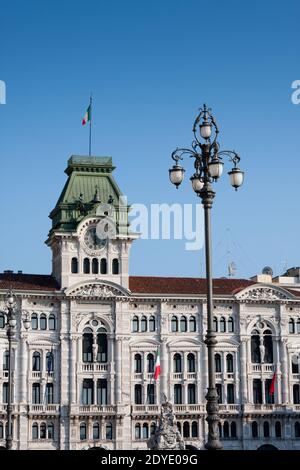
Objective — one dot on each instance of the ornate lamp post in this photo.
(11, 326)
(208, 168)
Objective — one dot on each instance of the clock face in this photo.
(92, 241)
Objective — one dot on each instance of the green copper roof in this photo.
(90, 182)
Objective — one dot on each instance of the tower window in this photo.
(103, 266)
(95, 266)
(74, 266)
(86, 266)
(115, 266)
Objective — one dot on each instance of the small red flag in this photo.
(272, 385)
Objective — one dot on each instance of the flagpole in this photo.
(90, 139)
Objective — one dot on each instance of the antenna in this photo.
(231, 269)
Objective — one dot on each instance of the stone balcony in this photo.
(155, 409)
(92, 367)
(44, 409)
(94, 409)
(261, 368)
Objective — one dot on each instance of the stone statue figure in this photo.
(262, 352)
(166, 435)
(95, 350)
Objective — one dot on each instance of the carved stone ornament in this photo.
(262, 293)
(96, 290)
(166, 435)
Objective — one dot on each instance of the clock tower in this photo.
(90, 237)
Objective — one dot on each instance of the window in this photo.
(194, 429)
(177, 394)
(109, 431)
(191, 394)
(268, 344)
(51, 322)
(96, 431)
(102, 345)
(2, 320)
(278, 429)
(254, 429)
(50, 431)
(230, 393)
(296, 394)
(82, 431)
(297, 429)
(219, 392)
(222, 325)
(145, 431)
(268, 396)
(229, 363)
(49, 362)
(87, 345)
(218, 363)
(220, 430)
(35, 431)
(43, 431)
(233, 429)
(174, 324)
(95, 266)
(74, 266)
(255, 351)
(34, 321)
(295, 365)
(5, 392)
(1, 430)
(266, 429)
(43, 322)
(103, 266)
(177, 367)
(186, 429)
(298, 325)
(151, 394)
(226, 430)
(183, 324)
(215, 324)
(143, 324)
(36, 361)
(191, 362)
(36, 394)
(115, 266)
(49, 394)
(5, 360)
(291, 326)
(230, 325)
(152, 323)
(257, 391)
(138, 394)
(192, 323)
(137, 431)
(87, 392)
(150, 363)
(135, 324)
(86, 266)
(179, 426)
(152, 428)
(137, 363)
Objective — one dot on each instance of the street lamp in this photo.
(11, 326)
(208, 168)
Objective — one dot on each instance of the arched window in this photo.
(191, 394)
(177, 394)
(278, 429)
(268, 344)
(138, 394)
(194, 429)
(179, 426)
(192, 323)
(82, 431)
(86, 266)
(177, 367)
(5, 392)
(218, 367)
(186, 429)
(137, 431)
(191, 362)
(103, 266)
(87, 345)
(226, 430)
(2, 320)
(266, 429)
(43, 322)
(151, 394)
(34, 321)
(233, 429)
(152, 323)
(5, 360)
(229, 363)
(255, 351)
(96, 431)
(296, 394)
(95, 266)
(298, 326)
(295, 364)
(115, 266)
(74, 266)
(43, 431)
(135, 324)
(215, 324)
(174, 324)
(230, 393)
(49, 394)
(183, 324)
(35, 431)
(254, 429)
(102, 392)
(102, 345)
(137, 363)
(51, 322)
(143, 324)
(297, 429)
(291, 326)
(36, 361)
(49, 362)
(109, 431)
(36, 394)
(150, 363)
(152, 428)
(220, 430)
(145, 431)
(222, 325)
(230, 325)
(50, 431)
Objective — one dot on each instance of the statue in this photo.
(95, 351)
(166, 435)
(262, 352)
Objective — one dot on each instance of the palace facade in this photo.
(86, 339)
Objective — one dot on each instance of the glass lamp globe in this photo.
(215, 168)
(205, 130)
(236, 177)
(176, 175)
(197, 183)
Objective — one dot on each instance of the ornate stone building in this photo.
(83, 365)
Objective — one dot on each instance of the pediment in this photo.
(265, 293)
(102, 290)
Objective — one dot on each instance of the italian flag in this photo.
(87, 116)
(272, 385)
(157, 366)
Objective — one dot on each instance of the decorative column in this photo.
(23, 371)
(118, 369)
(284, 365)
(164, 371)
(73, 362)
(243, 367)
(277, 370)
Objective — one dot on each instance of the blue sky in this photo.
(150, 66)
